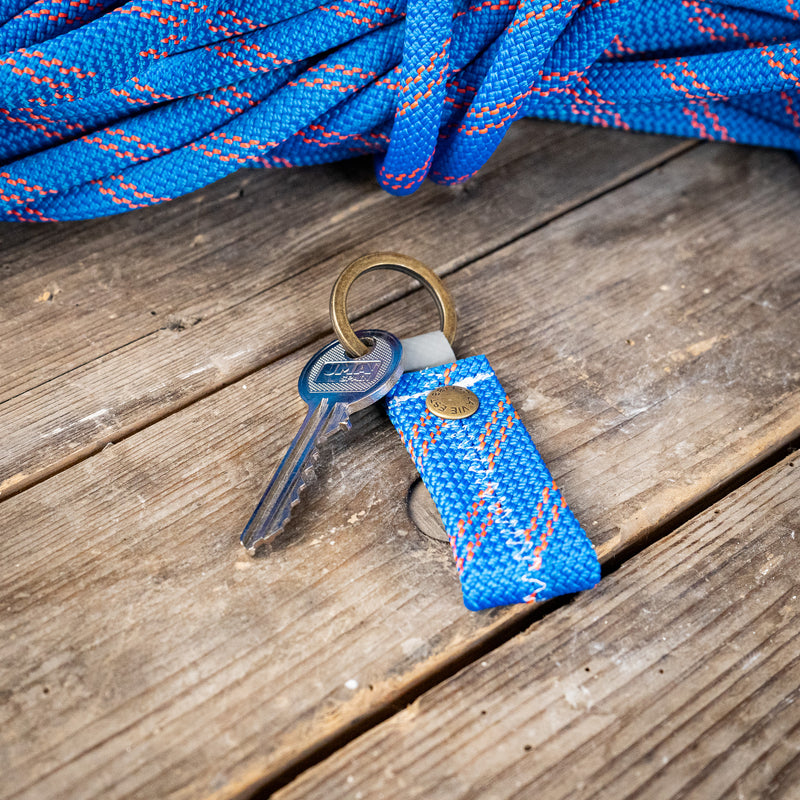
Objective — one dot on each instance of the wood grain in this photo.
(206, 289)
(677, 677)
(145, 655)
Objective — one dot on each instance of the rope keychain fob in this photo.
(513, 536)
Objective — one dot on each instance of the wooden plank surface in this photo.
(679, 676)
(145, 655)
(205, 290)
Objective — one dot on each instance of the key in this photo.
(334, 386)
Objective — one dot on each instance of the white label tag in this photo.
(426, 350)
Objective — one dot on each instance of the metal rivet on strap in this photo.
(452, 402)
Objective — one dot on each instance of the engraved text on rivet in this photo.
(452, 402)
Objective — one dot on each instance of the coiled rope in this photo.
(107, 106)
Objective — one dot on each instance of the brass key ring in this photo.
(353, 346)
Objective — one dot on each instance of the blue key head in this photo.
(356, 382)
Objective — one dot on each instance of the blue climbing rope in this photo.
(107, 106)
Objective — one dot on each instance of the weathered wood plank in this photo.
(145, 655)
(679, 676)
(205, 292)
(73, 292)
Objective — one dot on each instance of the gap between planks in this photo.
(575, 725)
(511, 628)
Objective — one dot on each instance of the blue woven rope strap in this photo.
(514, 538)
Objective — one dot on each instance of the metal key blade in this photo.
(334, 386)
(283, 492)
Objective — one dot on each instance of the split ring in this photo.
(354, 346)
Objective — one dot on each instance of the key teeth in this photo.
(307, 475)
(302, 481)
(337, 427)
